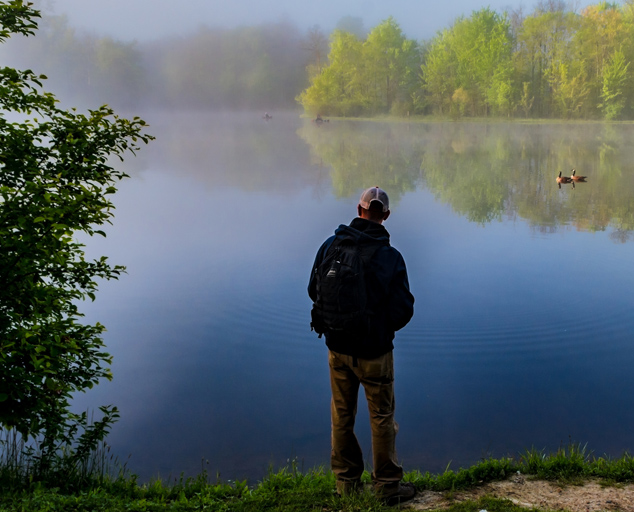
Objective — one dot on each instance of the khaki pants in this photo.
(377, 378)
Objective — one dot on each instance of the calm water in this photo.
(522, 333)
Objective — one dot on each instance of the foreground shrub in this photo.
(55, 182)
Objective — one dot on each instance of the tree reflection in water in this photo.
(487, 171)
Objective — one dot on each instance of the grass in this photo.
(289, 489)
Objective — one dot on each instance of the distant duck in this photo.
(563, 179)
(577, 178)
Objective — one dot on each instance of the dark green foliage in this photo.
(574, 462)
(289, 489)
(567, 463)
(81, 459)
(16, 17)
(294, 490)
(613, 470)
(55, 182)
(489, 470)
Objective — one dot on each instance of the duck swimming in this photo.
(577, 178)
(563, 179)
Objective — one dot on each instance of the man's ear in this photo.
(386, 215)
(359, 210)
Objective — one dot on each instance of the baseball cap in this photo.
(374, 194)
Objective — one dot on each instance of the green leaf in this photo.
(55, 178)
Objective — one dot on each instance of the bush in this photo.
(55, 182)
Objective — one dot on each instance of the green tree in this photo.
(544, 42)
(55, 182)
(614, 80)
(474, 56)
(526, 100)
(439, 72)
(601, 32)
(459, 103)
(338, 89)
(389, 62)
(483, 47)
(501, 92)
(570, 89)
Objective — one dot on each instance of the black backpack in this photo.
(340, 284)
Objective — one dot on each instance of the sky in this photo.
(145, 20)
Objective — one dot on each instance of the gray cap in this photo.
(374, 194)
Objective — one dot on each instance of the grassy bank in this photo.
(291, 490)
(431, 119)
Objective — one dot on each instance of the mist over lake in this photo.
(522, 332)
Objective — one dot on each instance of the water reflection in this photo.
(486, 172)
(489, 171)
(239, 150)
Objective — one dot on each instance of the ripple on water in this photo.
(553, 334)
(279, 324)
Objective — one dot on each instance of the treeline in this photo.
(249, 67)
(85, 69)
(552, 63)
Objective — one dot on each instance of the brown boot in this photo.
(404, 492)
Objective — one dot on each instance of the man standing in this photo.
(361, 296)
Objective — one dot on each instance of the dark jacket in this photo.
(389, 298)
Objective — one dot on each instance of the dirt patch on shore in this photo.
(524, 492)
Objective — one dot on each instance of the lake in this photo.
(522, 332)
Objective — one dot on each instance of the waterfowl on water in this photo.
(563, 179)
(577, 178)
